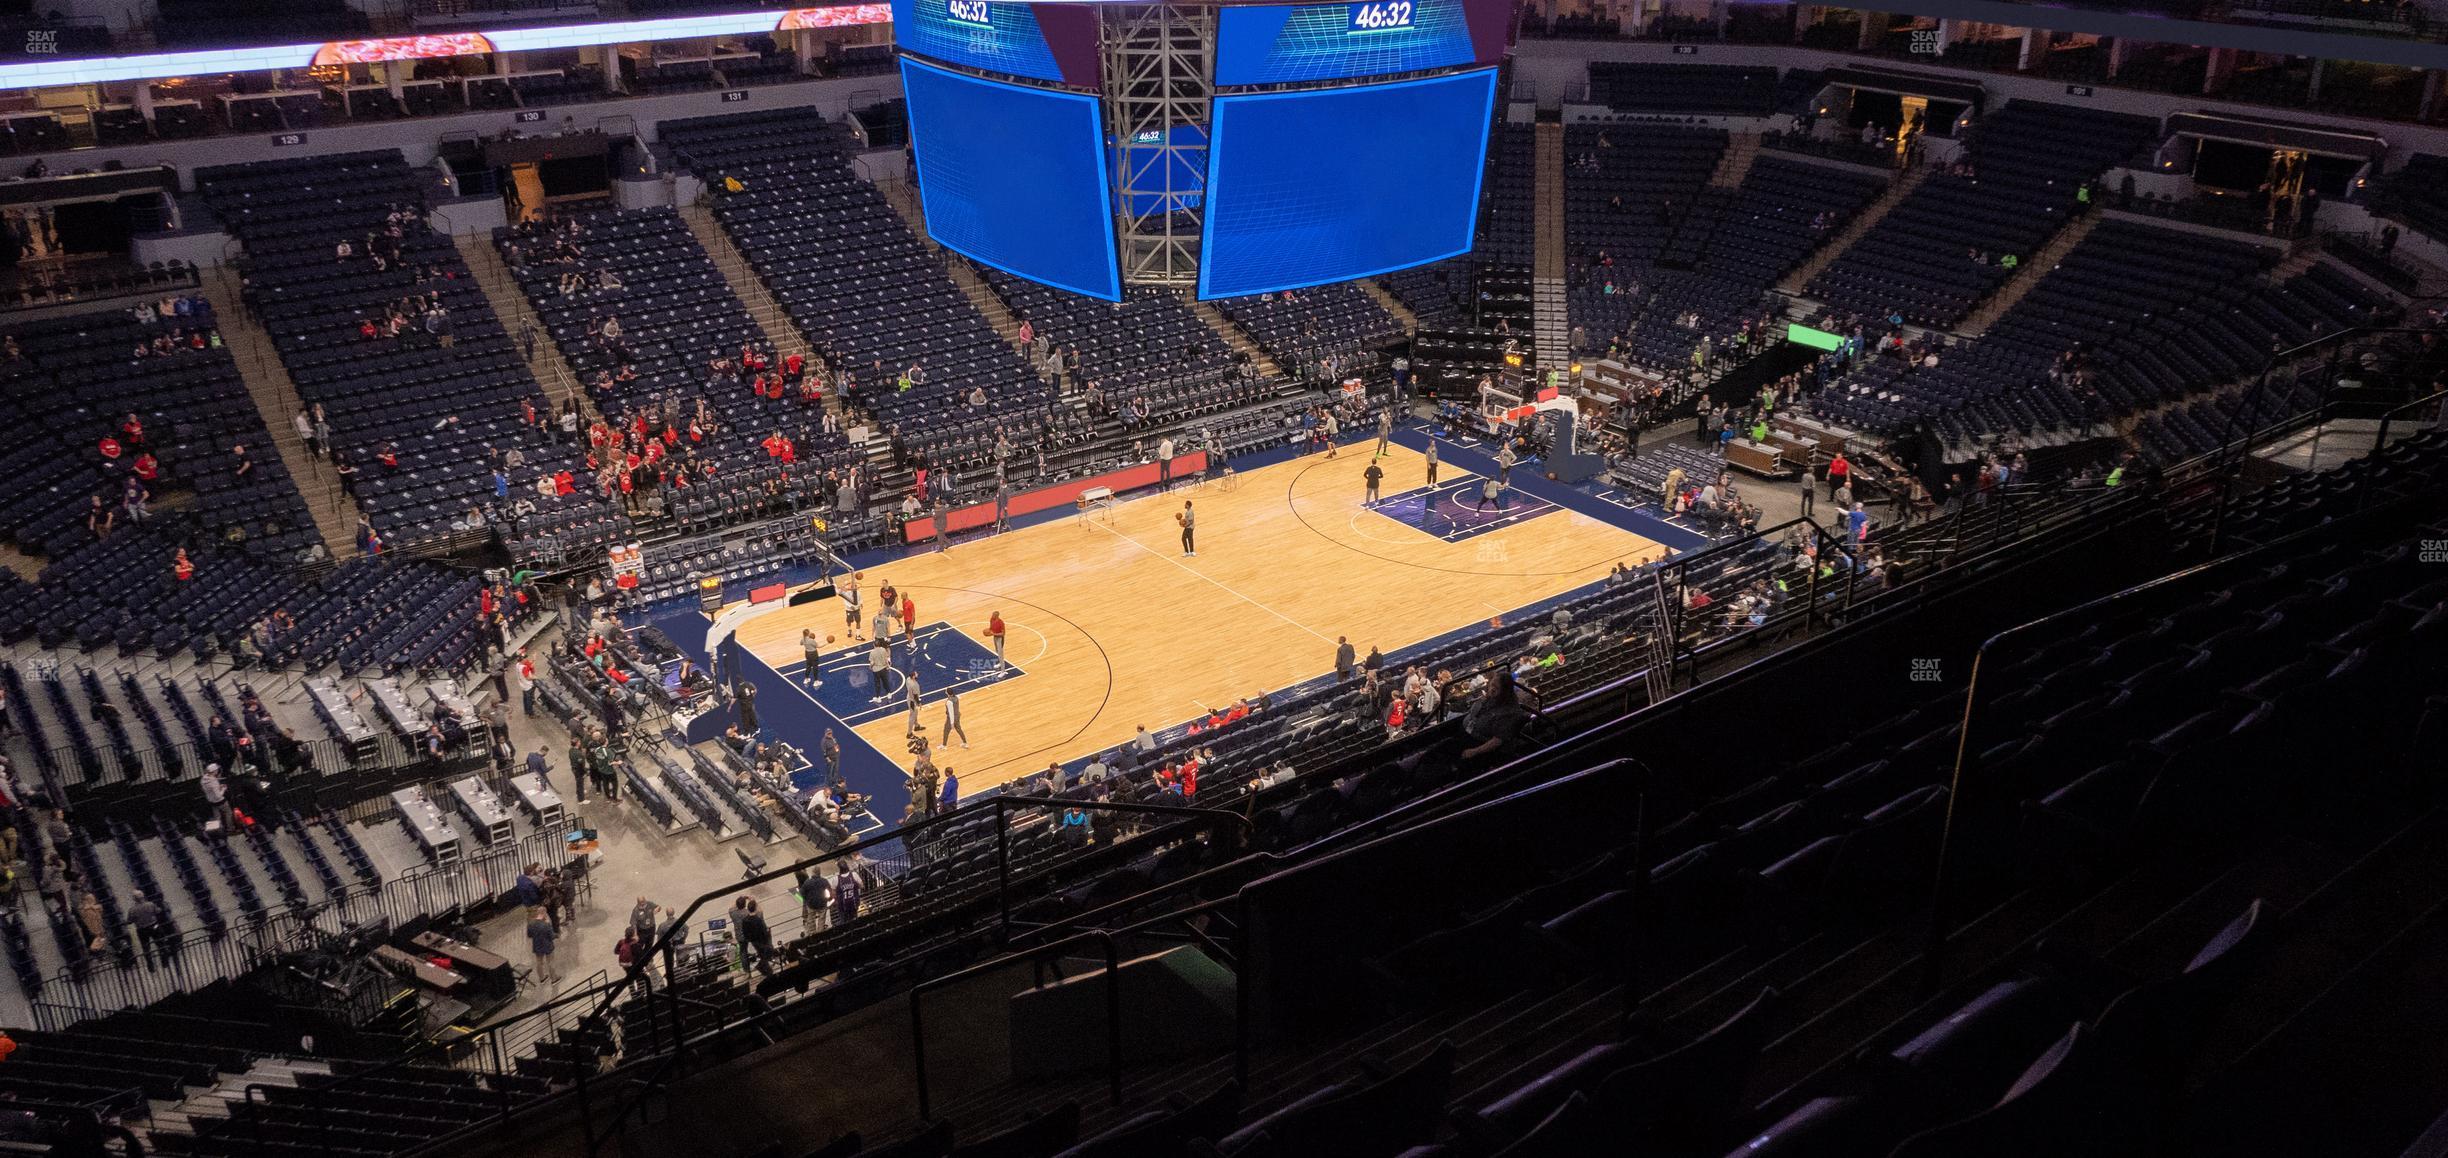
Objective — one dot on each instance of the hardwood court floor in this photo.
(1115, 628)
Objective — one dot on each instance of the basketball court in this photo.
(1110, 627)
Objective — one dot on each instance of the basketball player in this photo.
(1375, 474)
(952, 719)
(1188, 519)
(1432, 461)
(879, 661)
(1491, 491)
(849, 587)
(994, 634)
(813, 648)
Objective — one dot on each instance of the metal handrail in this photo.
(2436, 400)
(2232, 448)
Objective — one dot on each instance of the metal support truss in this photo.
(1158, 58)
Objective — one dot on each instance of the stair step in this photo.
(277, 401)
(1897, 190)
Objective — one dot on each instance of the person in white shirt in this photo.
(216, 796)
(1164, 463)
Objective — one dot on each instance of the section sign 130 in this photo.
(1380, 16)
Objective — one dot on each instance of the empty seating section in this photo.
(1508, 228)
(1309, 332)
(1146, 352)
(645, 271)
(1625, 186)
(1149, 341)
(2027, 160)
(674, 76)
(1783, 210)
(1438, 295)
(858, 283)
(2157, 314)
(1706, 89)
(421, 418)
(301, 1105)
(82, 378)
(565, 87)
(1719, 259)
(769, 68)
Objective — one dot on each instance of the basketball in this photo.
(828, 639)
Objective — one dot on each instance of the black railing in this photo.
(196, 958)
(2430, 409)
(2241, 435)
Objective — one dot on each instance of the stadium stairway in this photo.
(2028, 275)
(2301, 257)
(1735, 163)
(1547, 312)
(277, 400)
(1236, 338)
(1863, 222)
(780, 331)
(1385, 300)
(519, 318)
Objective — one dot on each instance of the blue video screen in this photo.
(983, 34)
(1308, 188)
(1015, 178)
(1313, 42)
